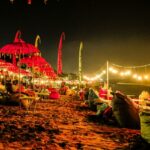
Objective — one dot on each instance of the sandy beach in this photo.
(59, 124)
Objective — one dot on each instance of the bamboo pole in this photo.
(80, 63)
(107, 79)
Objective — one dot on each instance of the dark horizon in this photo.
(114, 31)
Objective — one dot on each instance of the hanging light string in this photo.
(131, 67)
(134, 71)
(98, 75)
(124, 71)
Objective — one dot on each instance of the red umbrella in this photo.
(18, 47)
(33, 61)
(12, 68)
(38, 61)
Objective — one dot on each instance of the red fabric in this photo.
(14, 59)
(54, 95)
(103, 93)
(51, 89)
(12, 68)
(40, 64)
(29, 2)
(21, 89)
(59, 58)
(63, 90)
(18, 46)
(81, 94)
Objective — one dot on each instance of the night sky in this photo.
(110, 30)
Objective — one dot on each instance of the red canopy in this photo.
(33, 61)
(12, 68)
(38, 61)
(19, 47)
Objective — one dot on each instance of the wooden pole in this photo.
(80, 63)
(107, 79)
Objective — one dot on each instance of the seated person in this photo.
(63, 90)
(81, 94)
(92, 97)
(86, 93)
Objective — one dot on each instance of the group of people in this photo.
(98, 99)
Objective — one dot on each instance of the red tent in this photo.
(12, 68)
(18, 47)
(40, 63)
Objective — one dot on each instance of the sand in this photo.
(57, 125)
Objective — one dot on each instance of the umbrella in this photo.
(12, 68)
(40, 63)
(18, 47)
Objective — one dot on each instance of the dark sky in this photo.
(118, 31)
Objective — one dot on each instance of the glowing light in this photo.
(139, 78)
(146, 77)
(110, 69)
(128, 72)
(122, 73)
(104, 71)
(96, 77)
(113, 70)
(135, 76)
(1, 76)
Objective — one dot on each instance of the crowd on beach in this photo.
(106, 103)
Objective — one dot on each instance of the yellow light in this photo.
(128, 72)
(114, 71)
(104, 71)
(122, 73)
(135, 76)
(139, 78)
(146, 77)
(111, 69)
(97, 76)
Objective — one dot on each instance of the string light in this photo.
(127, 71)
(96, 77)
(146, 77)
(131, 67)
(123, 71)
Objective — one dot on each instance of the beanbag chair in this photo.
(54, 94)
(125, 112)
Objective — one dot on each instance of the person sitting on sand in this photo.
(63, 89)
(81, 94)
(92, 96)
